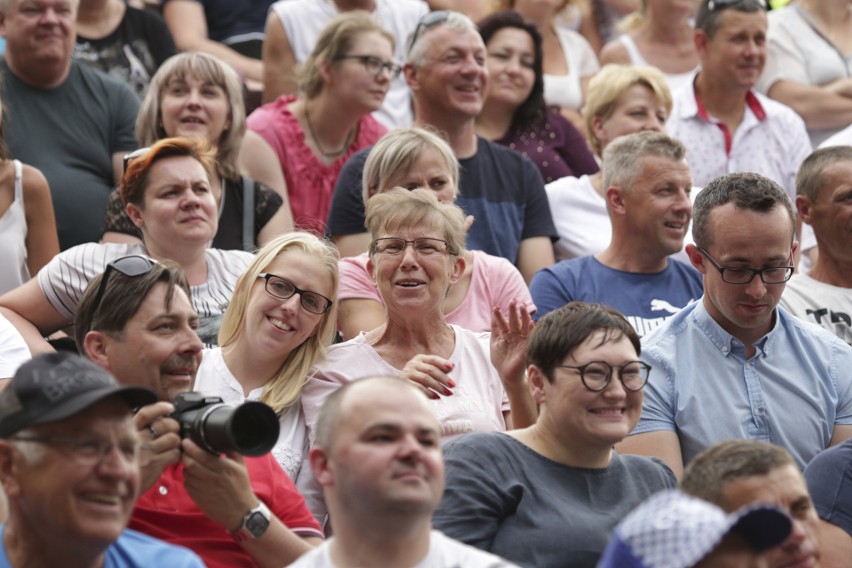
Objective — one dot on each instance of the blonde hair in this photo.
(334, 42)
(608, 86)
(284, 389)
(397, 151)
(403, 208)
(149, 122)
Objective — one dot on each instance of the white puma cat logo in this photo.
(658, 305)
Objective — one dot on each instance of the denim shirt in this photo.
(791, 392)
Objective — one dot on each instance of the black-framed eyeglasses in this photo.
(596, 375)
(130, 266)
(425, 246)
(284, 289)
(86, 450)
(429, 20)
(133, 155)
(744, 275)
(722, 4)
(375, 66)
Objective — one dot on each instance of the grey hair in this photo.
(708, 20)
(33, 452)
(415, 53)
(622, 158)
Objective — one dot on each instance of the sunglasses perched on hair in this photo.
(130, 266)
(722, 4)
(133, 155)
(430, 20)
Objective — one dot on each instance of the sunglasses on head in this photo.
(130, 266)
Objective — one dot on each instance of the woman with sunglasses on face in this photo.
(278, 325)
(345, 79)
(198, 96)
(417, 157)
(167, 195)
(514, 113)
(550, 494)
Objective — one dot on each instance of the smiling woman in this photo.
(345, 79)
(280, 321)
(514, 113)
(561, 472)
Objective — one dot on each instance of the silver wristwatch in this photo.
(254, 524)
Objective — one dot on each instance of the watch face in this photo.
(257, 524)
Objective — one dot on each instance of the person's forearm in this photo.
(524, 411)
(32, 337)
(819, 107)
(278, 546)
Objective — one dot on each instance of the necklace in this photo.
(335, 153)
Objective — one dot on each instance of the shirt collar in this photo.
(724, 341)
(692, 106)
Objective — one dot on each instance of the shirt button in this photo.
(163, 490)
(724, 349)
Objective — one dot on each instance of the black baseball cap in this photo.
(55, 386)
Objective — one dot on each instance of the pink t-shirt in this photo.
(476, 405)
(310, 183)
(494, 282)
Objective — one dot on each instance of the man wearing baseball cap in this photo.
(69, 466)
(675, 530)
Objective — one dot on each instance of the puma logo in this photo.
(658, 305)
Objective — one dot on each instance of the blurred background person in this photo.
(569, 61)
(659, 34)
(125, 42)
(514, 113)
(345, 78)
(622, 100)
(199, 96)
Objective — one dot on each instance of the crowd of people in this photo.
(426, 283)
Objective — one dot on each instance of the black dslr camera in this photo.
(250, 428)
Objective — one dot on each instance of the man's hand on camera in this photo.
(159, 438)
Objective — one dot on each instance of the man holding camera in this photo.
(136, 320)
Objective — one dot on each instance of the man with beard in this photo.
(136, 320)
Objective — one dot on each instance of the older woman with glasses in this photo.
(414, 260)
(550, 494)
(345, 79)
(278, 325)
(167, 195)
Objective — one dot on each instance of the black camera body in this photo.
(250, 429)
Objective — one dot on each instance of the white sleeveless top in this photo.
(13, 235)
(673, 80)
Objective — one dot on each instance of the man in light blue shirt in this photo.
(734, 365)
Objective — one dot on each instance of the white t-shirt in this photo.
(820, 303)
(215, 378)
(564, 91)
(580, 216)
(13, 350)
(444, 552)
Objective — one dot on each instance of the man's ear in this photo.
(320, 466)
(537, 379)
(410, 72)
(95, 347)
(701, 39)
(9, 468)
(696, 258)
(615, 200)
(804, 208)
